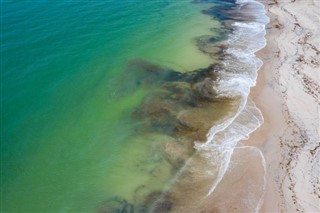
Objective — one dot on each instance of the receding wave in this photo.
(215, 158)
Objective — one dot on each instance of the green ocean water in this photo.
(68, 141)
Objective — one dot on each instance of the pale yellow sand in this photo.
(288, 93)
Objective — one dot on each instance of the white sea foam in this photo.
(218, 150)
(239, 75)
(236, 76)
(243, 1)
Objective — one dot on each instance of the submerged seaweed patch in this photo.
(180, 106)
(177, 105)
(116, 205)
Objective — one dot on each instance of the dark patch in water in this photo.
(146, 73)
(162, 204)
(154, 202)
(178, 107)
(216, 2)
(229, 11)
(221, 9)
(116, 205)
(180, 104)
(210, 45)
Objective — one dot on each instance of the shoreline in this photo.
(288, 81)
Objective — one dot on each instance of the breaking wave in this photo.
(237, 74)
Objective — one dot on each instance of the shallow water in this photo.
(103, 101)
(68, 139)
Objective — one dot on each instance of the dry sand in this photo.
(288, 94)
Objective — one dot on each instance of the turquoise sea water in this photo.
(68, 141)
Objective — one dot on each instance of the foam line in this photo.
(239, 75)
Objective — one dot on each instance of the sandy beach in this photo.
(287, 93)
(192, 106)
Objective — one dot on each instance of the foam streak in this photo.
(239, 75)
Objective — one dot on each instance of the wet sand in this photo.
(287, 93)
